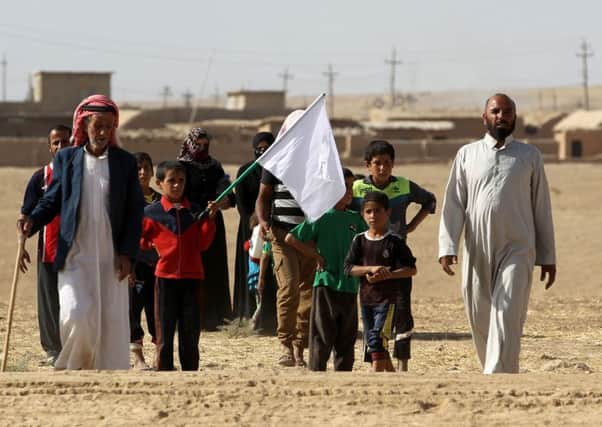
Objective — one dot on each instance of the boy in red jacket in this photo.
(171, 227)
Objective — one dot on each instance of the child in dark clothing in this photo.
(385, 265)
(142, 282)
(171, 227)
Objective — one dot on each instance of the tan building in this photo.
(257, 103)
(59, 91)
(401, 125)
(579, 135)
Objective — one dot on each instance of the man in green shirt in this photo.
(333, 318)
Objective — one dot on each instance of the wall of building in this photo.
(234, 147)
(63, 91)
(18, 125)
(260, 103)
(591, 143)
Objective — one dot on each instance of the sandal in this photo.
(286, 359)
(300, 363)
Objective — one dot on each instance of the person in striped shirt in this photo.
(278, 213)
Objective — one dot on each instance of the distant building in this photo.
(579, 135)
(407, 126)
(58, 91)
(55, 94)
(258, 103)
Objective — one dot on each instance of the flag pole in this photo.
(253, 165)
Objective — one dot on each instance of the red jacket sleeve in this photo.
(207, 233)
(146, 239)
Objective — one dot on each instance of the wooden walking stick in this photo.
(11, 304)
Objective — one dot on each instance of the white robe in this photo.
(94, 322)
(501, 198)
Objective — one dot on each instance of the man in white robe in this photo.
(498, 192)
(96, 191)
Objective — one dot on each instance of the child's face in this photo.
(173, 185)
(145, 173)
(380, 168)
(348, 196)
(376, 216)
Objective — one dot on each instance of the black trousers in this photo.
(177, 303)
(332, 328)
(48, 309)
(142, 297)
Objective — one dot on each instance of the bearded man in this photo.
(498, 192)
(95, 190)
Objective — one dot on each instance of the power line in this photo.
(202, 89)
(217, 96)
(165, 94)
(393, 62)
(187, 96)
(584, 54)
(331, 75)
(286, 76)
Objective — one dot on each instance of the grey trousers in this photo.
(48, 309)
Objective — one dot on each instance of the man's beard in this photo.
(500, 133)
(100, 146)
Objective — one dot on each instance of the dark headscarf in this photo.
(190, 151)
(259, 138)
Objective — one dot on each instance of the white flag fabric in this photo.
(306, 160)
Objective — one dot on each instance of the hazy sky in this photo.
(445, 44)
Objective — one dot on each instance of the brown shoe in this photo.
(286, 358)
(298, 355)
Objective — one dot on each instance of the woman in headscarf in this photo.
(205, 180)
(95, 190)
(246, 195)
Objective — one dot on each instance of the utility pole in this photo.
(187, 98)
(4, 63)
(393, 62)
(166, 93)
(331, 75)
(584, 54)
(285, 76)
(216, 96)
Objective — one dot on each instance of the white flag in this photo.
(306, 160)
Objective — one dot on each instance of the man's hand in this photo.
(24, 226)
(550, 271)
(124, 267)
(446, 262)
(24, 260)
(265, 230)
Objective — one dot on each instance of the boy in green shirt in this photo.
(333, 318)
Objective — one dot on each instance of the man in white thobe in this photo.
(498, 192)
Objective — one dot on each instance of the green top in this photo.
(333, 233)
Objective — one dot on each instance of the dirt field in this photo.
(239, 383)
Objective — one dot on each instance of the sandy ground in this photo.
(561, 363)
